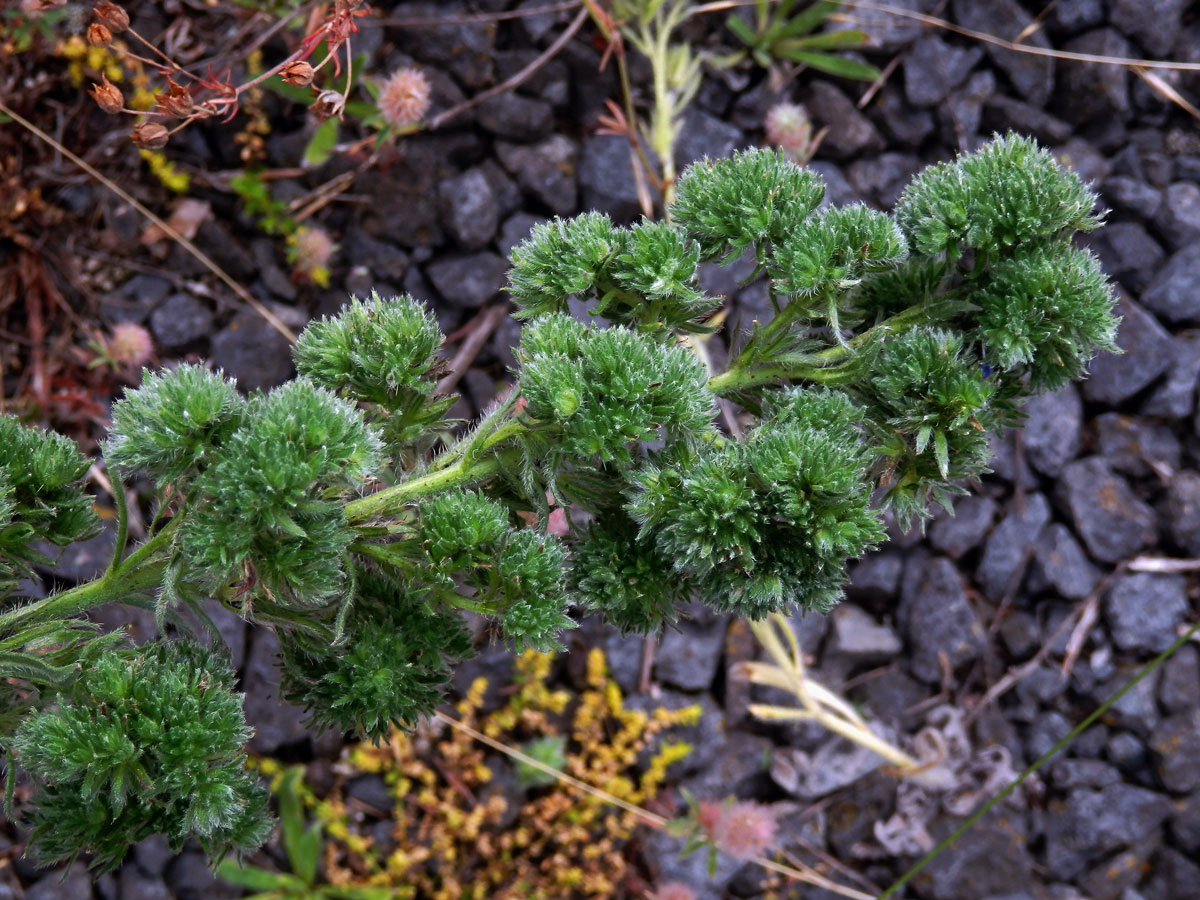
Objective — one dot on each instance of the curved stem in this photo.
(122, 520)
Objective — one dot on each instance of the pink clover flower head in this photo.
(674, 890)
(744, 829)
(788, 126)
(130, 345)
(313, 249)
(404, 98)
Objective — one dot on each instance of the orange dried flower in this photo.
(98, 35)
(298, 73)
(113, 17)
(176, 101)
(108, 96)
(150, 136)
(404, 98)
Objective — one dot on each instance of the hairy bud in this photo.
(112, 16)
(298, 73)
(150, 136)
(108, 96)
(98, 35)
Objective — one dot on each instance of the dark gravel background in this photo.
(1104, 472)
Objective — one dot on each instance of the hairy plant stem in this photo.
(139, 571)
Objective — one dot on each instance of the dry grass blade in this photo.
(170, 232)
(1161, 87)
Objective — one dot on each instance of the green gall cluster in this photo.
(1006, 193)
(605, 390)
(391, 667)
(754, 196)
(168, 427)
(41, 496)
(148, 743)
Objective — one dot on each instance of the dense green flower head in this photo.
(45, 495)
(560, 259)
(391, 669)
(147, 743)
(770, 521)
(381, 351)
(756, 195)
(170, 427)
(1006, 193)
(657, 265)
(1045, 310)
(625, 578)
(929, 387)
(514, 574)
(616, 387)
(834, 249)
(270, 500)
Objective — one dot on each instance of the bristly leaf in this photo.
(560, 259)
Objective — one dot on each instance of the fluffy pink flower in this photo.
(788, 127)
(404, 98)
(674, 890)
(130, 345)
(744, 829)
(311, 252)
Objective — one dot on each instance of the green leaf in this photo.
(834, 65)
(941, 452)
(809, 19)
(826, 40)
(321, 144)
(744, 32)
(302, 844)
(256, 879)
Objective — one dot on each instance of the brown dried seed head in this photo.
(108, 96)
(150, 136)
(298, 73)
(328, 103)
(113, 17)
(98, 35)
(176, 101)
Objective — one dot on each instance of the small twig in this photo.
(427, 21)
(170, 232)
(518, 77)
(481, 328)
(1163, 564)
(1161, 87)
(649, 647)
(1087, 618)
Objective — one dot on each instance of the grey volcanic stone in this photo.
(1176, 748)
(1033, 76)
(1067, 773)
(1127, 253)
(1060, 563)
(1100, 91)
(907, 126)
(1185, 823)
(515, 117)
(1131, 195)
(253, 352)
(1175, 293)
(1020, 633)
(56, 884)
(850, 132)
(1136, 447)
(468, 282)
(1073, 15)
(1009, 114)
(1178, 218)
(463, 48)
(1093, 823)
(469, 208)
(856, 635)
(1113, 523)
(1147, 354)
(689, 655)
(881, 179)
(704, 135)
(190, 878)
(955, 534)
(606, 179)
(1052, 429)
(1175, 398)
(276, 723)
(937, 618)
(876, 577)
(1179, 687)
(136, 886)
(933, 68)
(963, 110)
(546, 171)
(133, 300)
(990, 860)
(1155, 24)
(1143, 610)
(1009, 547)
